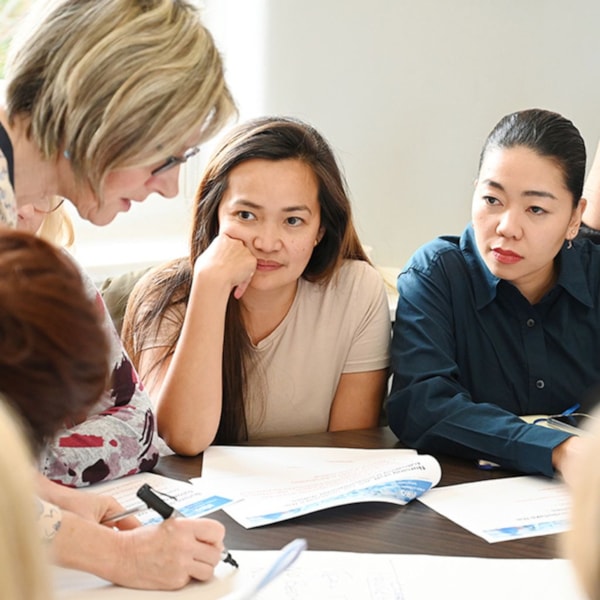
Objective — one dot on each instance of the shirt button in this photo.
(539, 384)
(530, 322)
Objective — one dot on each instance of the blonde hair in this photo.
(57, 227)
(582, 543)
(115, 83)
(24, 573)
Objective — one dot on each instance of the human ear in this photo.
(576, 217)
(320, 235)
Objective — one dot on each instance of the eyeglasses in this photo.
(173, 161)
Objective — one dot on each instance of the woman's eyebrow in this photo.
(255, 206)
(536, 193)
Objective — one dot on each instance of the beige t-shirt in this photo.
(341, 327)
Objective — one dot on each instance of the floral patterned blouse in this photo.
(118, 436)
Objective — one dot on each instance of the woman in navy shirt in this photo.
(504, 320)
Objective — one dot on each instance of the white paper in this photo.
(354, 576)
(276, 484)
(505, 509)
(183, 496)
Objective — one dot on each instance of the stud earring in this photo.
(67, 155)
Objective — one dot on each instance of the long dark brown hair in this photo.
(269, 138)
(53, 349)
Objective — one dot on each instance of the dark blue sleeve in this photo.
(429, 407)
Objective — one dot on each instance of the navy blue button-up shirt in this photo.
(470, 353)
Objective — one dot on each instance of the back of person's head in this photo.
(548, 134)
(23, 562)
(281, 138)
(582, 542)
(53, 349)
(115, 83)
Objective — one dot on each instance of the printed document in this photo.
(354, 576)
(183, 496)
(505, 509)
(279, 483)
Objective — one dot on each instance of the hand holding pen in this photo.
(169, 555)
(166, 511)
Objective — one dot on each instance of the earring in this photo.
(67, 155)
(569, 244)
(316, 242)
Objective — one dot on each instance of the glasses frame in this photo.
(50, 210)
(173, 161)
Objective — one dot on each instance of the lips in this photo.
(267, 265)
(505, 256)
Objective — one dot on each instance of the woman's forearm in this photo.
(189, 400)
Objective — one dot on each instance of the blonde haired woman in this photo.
(23, 564)
(104, 101)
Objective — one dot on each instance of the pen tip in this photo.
(229, 559)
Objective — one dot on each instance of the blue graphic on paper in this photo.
(404, 490)
(196, 509)
(502, 534)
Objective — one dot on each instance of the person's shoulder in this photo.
(358, 268)
(352, 277)
(358, 274)
(435, 252)
(589, 253)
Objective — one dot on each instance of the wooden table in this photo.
(371, 527)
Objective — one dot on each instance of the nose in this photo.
(268, 238)
(167, 182)
(509, 225)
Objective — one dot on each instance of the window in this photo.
(11, 11)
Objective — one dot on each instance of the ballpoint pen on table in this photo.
(284, 558)
(487, 465)
(156, 503)
(570, 410)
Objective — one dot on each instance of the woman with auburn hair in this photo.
(277, 323)
(53, 348)
(53, 368)
(105, 99)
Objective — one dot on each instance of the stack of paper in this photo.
(276, 484)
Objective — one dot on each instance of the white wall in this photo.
(406, 91)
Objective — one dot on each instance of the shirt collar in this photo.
(484, 282)
(571, 278)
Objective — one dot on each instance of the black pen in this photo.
(156, 503)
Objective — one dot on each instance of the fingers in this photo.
(238, 292)
(227, 260)
(168, 555)
(209, 531)
(125, 524)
